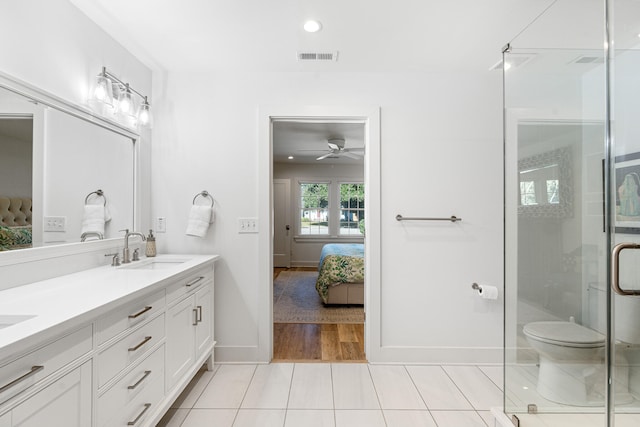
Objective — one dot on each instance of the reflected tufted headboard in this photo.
(15, 211)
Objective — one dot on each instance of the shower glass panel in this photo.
(572, 193)
(555, 240)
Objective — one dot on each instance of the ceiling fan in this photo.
(336, 149)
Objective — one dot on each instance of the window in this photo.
(314, 208)
(352, 209)
(331, 209)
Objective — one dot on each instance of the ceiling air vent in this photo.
(317, 56)
(588, 60)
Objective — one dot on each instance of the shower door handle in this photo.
(615, 268)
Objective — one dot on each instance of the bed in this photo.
(15, 223)
(341, 273)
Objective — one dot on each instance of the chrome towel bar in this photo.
(205, 194)
(452, 218)
(98, 193)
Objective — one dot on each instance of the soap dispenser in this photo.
(151, 245)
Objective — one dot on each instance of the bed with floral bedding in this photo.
(341, 273)
(15, 223)
(18, 237)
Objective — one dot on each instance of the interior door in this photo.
(282, 223)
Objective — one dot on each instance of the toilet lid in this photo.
(564, 333)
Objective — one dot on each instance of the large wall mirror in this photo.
(65, 176)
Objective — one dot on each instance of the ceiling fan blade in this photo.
(324, 156)
(350, 155)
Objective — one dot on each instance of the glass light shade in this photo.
(102, 91)
(144, 113)
(125, 101)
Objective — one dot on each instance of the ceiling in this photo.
(306, 141)
(369, 35)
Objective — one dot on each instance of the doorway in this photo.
(318, 199)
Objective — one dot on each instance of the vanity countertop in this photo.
(64, 302)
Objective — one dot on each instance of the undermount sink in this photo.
(7, 320)
(152, 265)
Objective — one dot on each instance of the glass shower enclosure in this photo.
(572, 217)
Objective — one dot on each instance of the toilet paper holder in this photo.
(476, 287)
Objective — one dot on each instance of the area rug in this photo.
(295, 300)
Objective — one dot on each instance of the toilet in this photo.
(571, 362)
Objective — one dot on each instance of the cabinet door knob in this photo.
(141, 312)
(146, 408)
(133, 387)
(199, 307)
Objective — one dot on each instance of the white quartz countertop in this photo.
(68, 301)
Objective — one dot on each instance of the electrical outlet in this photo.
(55, 223)
(247, 225)
(161, 224)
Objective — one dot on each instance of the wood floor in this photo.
(310, 342)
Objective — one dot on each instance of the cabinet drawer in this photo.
(33, 367)
(129, 349)
(189, 283)
(129, 316)
(144, 375)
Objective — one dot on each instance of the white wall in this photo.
(305, 253)
(52, 46)
(441, 154)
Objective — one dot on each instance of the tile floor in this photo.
(339, 395)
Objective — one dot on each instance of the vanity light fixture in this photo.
(109, 87)
(312, 26)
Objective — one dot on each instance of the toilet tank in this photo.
(627, 314)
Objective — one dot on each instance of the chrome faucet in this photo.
(125, 252)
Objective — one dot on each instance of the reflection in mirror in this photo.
(51, 162)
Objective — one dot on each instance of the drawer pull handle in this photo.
(195, 317)
(146, 408)
(144, 377)
(144, 341)
(194, 281)
(33, 370)
(199, 307)
(141, 312)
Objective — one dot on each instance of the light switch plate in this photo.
(161, 224)
(247, 225)
(55, 223)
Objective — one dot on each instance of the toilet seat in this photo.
(566, 334)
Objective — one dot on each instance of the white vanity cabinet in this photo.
(120, 360)
(36, 398)
(189, 324)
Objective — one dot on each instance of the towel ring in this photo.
(203, 194)
(98, 193)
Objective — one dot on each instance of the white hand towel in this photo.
(199, 219)
(93, 219)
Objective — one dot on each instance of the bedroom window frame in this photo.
(339, 232)
(300, 208)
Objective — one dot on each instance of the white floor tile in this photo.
(487, 417)
(311, 387)
(394, 388)
(193, 391)
(259, 418)
(476, 386)
(495, 374)
(173, 418)
(353, 387)
(310, 418)
(437, 389)
(269, 387)
(458, 419)
(359, 418)
(409, 418)
(210, 417)
(227, 387)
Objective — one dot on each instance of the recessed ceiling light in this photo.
(290, 157)
(312, 26)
